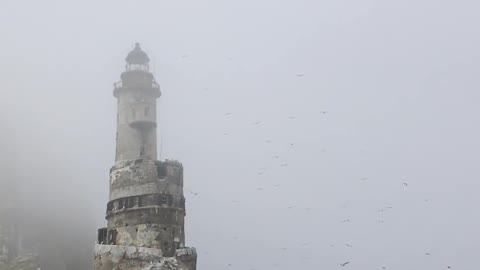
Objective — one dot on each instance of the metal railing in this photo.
(119, 84)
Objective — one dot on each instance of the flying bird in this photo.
(345, 220)
(345, 263)
(348, 245)
(275, 157)
(229, 113)
(323, 112)
(300, 75)
(284, 165)
(405, 184)
(256, 123)
(292, 117)
(428, 254)
(384, 209)
(364, 179)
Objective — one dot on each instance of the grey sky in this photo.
(398, 79)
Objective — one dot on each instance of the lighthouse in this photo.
(145, 212)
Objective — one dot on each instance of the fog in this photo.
(313, 133)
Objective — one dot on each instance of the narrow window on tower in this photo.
(163, 199)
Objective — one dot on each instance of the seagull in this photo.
(323, 112)
(268, 141)
(345, 263)
(256, 123)
(364, 179)
(348, 245)
(405, 184)
(284, 165)
(275, 157)
(292, 117)
(292, 144)
(259, 188)
(300, 75)
(229, 113)
(428, 254)
(346, 220)
(225, 134)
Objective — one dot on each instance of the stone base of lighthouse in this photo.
(114, 257)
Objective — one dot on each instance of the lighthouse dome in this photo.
(137, 56)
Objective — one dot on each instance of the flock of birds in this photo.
(277, 157)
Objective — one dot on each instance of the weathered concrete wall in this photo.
(138, 177)
(109, 257)
(187, 258)
(147, 206)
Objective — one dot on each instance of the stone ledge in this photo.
(117, 253)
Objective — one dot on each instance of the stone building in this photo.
(146, 209)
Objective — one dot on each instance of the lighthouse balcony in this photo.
(148, 86)
(143, 123)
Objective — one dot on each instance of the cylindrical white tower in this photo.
(136, 119)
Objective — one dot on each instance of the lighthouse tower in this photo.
(146, 209)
